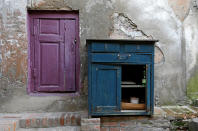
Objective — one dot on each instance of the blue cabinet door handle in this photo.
(123, 56)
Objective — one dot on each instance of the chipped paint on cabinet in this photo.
(106, 62)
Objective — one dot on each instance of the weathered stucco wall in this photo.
(169, 21)
(191, 38)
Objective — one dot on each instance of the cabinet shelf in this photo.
(118, 71)
(132, 86)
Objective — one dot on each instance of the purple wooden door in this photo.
(54, 54)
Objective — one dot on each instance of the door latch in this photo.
(75, 41)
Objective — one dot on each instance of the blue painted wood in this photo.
(120, 57)
(118, 47)
(148, 87)
(152, 85)
(119, 113)
(106, 88)
(89, 80)
(138, 48)
(105, 60)
(105, 47)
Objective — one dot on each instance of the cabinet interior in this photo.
(133, 87)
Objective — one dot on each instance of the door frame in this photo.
(32, 14)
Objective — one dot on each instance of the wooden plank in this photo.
(132, 86)
(131, 106)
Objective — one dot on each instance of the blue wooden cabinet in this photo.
(120, 77)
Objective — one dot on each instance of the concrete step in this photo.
(9, 125)
(11, 121)
(45, 120)
(64, 128)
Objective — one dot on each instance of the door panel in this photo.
(148, 88)
(51, 74)
(53, 61)
(49, 26)
(106, 84)
(70, 53)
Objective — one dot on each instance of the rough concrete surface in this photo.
(164, 118)
(67, 128)
(172, 22)
(193, 125)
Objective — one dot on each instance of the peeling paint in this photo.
(123, 27)
(13, 42)
(159, 56)
(49, 4)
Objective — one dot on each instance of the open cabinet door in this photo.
(148, 87)
(106, 93)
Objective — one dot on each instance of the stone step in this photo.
(64, 128)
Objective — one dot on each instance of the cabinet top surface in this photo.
(150, 41)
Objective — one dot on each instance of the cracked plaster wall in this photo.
(191, 38)
(166, 20)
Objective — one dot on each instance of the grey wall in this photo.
(173, 23)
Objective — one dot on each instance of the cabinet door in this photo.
(106, 81)
(148, 89)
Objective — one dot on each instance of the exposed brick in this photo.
(22, 123)
(90, 121)
(73, 120)
(44, 122)
(124, 129)
(67, 119)
(78, 119)
(62, 120)
(33, 122)
(38, 122)
(8, 125)
(90, 128)
(56, 122)
(110, 124)
(92, 124)
(114, 129)
(27, 122)
(126, 124)
(115, 119)
(50, 122)
(104, 129)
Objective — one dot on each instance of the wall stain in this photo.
(180, 7)
(192, 87)
(13, 46)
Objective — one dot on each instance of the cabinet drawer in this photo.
(138, 48)
(103, 47)
(121, 57)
